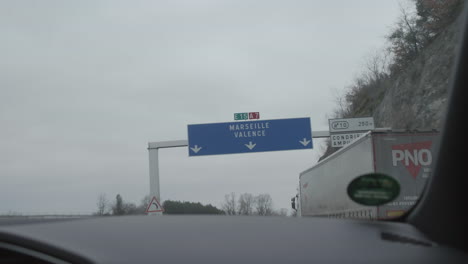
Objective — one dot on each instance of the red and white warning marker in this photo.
(154, 206)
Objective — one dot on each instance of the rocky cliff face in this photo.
(417, 98)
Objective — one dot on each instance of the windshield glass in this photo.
(299, 98)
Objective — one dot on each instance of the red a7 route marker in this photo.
(254, 115)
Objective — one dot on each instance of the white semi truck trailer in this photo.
(405, 156)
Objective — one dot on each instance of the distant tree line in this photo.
(177, 207)
(248, 204)
(120, 207)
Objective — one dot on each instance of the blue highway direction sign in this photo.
(249, 136)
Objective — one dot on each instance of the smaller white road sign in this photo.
(351, 124)
(341, 140)
(154, 206)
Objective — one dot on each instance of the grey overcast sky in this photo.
(85, 85)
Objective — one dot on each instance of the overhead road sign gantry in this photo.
(249, 136)
(153, 155)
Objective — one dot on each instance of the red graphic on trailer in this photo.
(154, 206)
(412, 156)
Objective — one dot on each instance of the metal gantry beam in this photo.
(168, 144)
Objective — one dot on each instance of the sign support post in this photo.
(154, 175)
(153, 155)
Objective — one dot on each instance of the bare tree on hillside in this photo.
(376, 65)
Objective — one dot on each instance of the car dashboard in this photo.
(220, 239)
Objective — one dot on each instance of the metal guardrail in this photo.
(46, 216)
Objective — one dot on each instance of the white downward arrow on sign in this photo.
(250, 145)
(305, 142)
(196, 149)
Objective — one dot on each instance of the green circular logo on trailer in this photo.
(373, 189)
